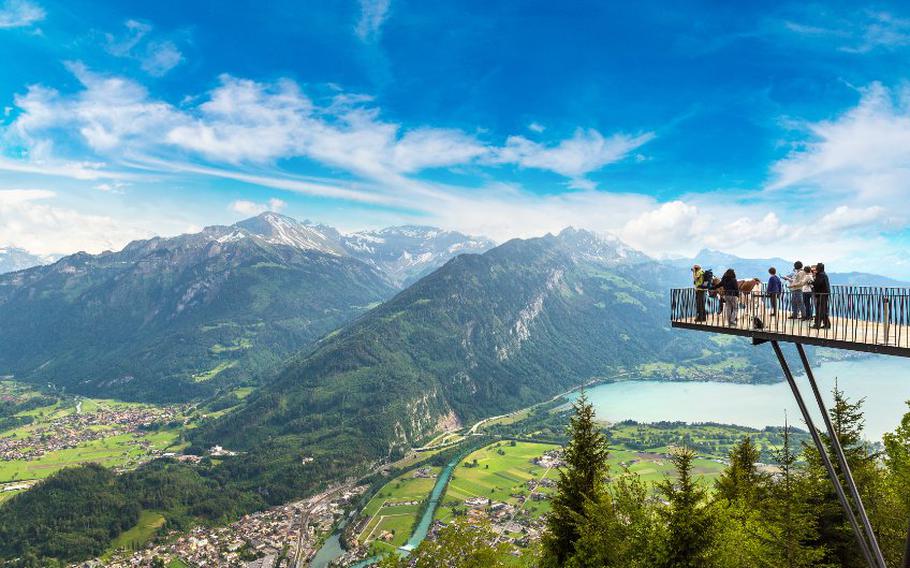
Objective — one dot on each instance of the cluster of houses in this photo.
(273, 538)
(73, 430)
(550, 459)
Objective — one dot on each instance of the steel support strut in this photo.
(907, 551)
(851, 517)
(842, 459)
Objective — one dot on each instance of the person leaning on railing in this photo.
(821, 289)
(794, 284)
(774, 289)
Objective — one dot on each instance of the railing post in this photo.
(886, 308)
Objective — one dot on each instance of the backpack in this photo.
(707, 279)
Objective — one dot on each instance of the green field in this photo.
(117, 451)
(501, 469)
(654, 465)
(133, 539)
(387, 510)
(123, 450)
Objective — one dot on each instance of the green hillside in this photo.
(483, 335)
(172, 319)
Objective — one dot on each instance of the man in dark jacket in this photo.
(775, 286)
(821, 290)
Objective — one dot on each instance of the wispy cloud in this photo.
(156, 56)
(20, 14)
(585, 152)
(29, 218)
(373, 14)
(860, 32)
(242, 122)
(863, 155)
(245, 207)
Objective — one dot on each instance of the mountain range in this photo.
(181, 317)
(482, 335)
(14, 258)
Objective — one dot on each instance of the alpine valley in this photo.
(314, 357)
(173, 319)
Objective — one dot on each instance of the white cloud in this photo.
(17, 196)
(860, 31)
(110, 113)
(160, 57)
(111, 187)
(372, 15)
(245, 207)
(675, 221)
(30, 220)
(844, 217)
(860, 159)
(20, 14)
(244, 122)
(536, 127)
(586, 151)
(156, 56)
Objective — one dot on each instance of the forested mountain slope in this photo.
(482, 335)
(170, 319)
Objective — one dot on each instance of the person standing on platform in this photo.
(730, 288)
(821, 289)
(698, 280)
(807, 281)
(796, 290)
(774, 289)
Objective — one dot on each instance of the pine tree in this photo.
(620, 527)
(580, 480)
(791, 528)
(895, 518)
(835, 534)
(741, 480)
(689, 522)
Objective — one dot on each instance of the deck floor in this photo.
(844, 333)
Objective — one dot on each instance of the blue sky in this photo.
(784, 130)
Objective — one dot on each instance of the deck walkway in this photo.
(875, 320)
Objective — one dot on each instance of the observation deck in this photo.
(858, 318)
(862, 318)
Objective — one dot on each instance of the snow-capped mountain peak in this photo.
(282, 230)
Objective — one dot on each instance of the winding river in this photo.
(332, 548)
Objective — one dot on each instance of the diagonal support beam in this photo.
(851, 517)
(842, 460)
(907, 550)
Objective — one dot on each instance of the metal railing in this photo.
(857, 314)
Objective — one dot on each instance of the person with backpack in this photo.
(730, 287)
(821, 291)
(774, 289)
(701, 279)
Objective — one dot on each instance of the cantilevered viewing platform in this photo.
(859, 318)
(862, 318)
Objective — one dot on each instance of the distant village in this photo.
(280, 537)
(79, 428)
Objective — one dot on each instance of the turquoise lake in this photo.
(883, 381)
